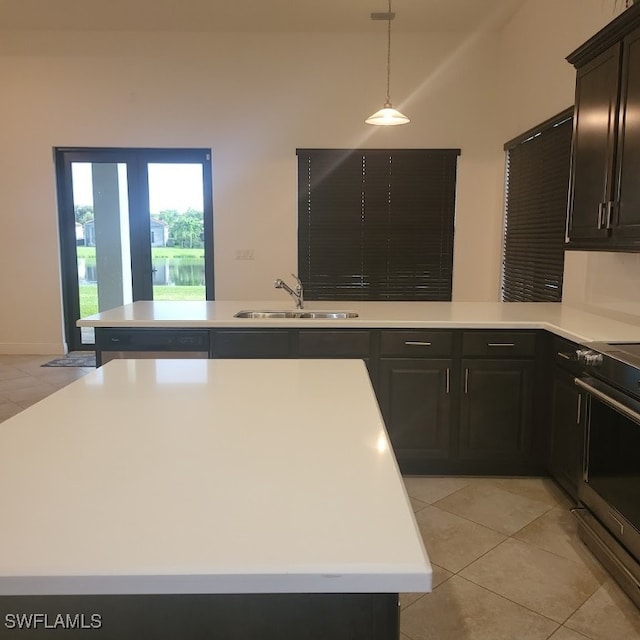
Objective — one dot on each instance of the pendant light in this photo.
(387, 115)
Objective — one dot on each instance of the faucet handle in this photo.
(299, 288)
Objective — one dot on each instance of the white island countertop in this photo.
(206, 476)
(562, 319)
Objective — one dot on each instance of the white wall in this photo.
(537, 81)
(254, 99)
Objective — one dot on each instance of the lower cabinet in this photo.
(496, 410)
(415, 395)
(567, 421)
(567, 433)
(415, 400)
(246, 343)
(324, 343)
(461, 401)
(496, 400)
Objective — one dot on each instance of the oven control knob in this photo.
(581, 355)
(593, 359)
(589, 358)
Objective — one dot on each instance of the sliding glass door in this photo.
(135, 224)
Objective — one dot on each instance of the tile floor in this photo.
(23, 381)
(508, 564)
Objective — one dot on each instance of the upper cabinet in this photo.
(604, 196)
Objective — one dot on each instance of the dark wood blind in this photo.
(537, 186)
(376, 224)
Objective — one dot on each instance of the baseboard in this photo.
(32, 348)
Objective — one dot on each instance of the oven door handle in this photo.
(608, 400)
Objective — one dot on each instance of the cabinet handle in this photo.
(448, 381)
(417, 343)
(115, 339)
(579, 410)
(566, 356)
(466, 380)
(501, 344)
(608, 220)
(600, 215)
(605, 214)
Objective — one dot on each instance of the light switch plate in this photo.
(244, 254)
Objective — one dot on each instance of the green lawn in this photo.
(89, 296)
(156, 252)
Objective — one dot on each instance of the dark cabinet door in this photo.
(251, 343)
(594, 146)
(323, 343)
(627, 222)
(567, 432)
(496, 409)
(415, 399)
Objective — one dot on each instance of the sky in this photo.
(171, 186)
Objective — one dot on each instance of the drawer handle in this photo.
(115, 339)
(566, 356)
(417, 343)
(501, 344)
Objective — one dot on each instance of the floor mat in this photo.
(73, 360)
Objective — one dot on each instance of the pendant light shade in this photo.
(387, 116)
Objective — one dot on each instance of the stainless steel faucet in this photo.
(297, 294)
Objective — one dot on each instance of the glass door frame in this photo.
(136, 160)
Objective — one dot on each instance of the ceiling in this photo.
(254, 15)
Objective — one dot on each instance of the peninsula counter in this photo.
(566, 321)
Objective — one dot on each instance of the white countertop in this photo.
(206, 476)
(564, 320)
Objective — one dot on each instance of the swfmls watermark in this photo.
(41, 621)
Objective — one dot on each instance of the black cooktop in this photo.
(628, 352)
(619, 365)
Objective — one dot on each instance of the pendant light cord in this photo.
(389, 55)
(387, 115)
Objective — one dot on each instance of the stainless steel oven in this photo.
(609, 493)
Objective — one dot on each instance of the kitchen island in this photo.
(206, 498)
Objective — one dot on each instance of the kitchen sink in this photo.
(298, 313)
